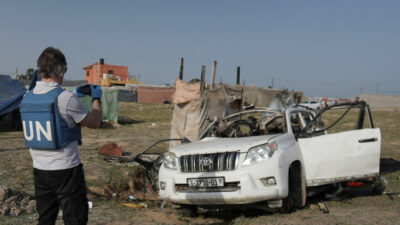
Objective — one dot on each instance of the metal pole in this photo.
(213, 72)
(181, 70)
(238, 75)
(377, 88)
(203, 73)
(272, 85)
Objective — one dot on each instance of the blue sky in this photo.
(324, 48)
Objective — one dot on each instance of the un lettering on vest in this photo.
(47, 133)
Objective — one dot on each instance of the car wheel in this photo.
(297, 189)
(378, 186)
(187, 210)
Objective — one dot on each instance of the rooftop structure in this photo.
(98, 72)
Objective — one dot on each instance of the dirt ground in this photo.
(110, 183)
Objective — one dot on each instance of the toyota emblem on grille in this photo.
(205, 161)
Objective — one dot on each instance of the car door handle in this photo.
(368, 140)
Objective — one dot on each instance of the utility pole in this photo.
(360, 91)
(272, 84)
(213, 72)
(238, 75)
(377, 88)
(203, 74)
(181, 70)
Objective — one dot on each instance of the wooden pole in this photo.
(181, 70)
(272, 85)
(238, 76)
(203, 74)
(213, 72)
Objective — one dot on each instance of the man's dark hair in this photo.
(51, 63)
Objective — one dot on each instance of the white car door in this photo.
(341, 156)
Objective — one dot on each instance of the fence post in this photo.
(238, 76)
(213, 72)
(181, 70)
(203, 73)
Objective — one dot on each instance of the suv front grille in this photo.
(209, 162)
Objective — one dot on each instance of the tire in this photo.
(297, 189)
(378, 186)
(187, 210)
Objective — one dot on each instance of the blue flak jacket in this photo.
(43, 126)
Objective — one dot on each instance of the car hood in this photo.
(214, 145)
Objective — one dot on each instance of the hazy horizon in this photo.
(323, 48)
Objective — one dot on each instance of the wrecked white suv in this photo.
(272, 157)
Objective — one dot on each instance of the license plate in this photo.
(206, 182)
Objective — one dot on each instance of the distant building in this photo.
(98, 71)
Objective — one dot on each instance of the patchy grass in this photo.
(151, 122)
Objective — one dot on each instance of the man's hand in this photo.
(96, 92)
(93, 119)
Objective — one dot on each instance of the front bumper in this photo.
(250, 189)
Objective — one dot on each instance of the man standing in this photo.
(51, 119)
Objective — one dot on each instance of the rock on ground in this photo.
(14, 203)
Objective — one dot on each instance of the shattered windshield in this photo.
(248, 123)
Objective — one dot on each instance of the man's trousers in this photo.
(61, 188)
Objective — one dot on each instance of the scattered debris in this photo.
(385, 182)
(323, 208)
(14, 203)
(132, 198)
(90, 204)
(111, 150)
(144, 205)
(391, 193)
(137, 206)
(355, 184)
(163, 203)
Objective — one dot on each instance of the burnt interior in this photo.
(246, 124)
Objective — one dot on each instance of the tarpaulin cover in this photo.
(109, 103)
(11, 93)
(185, 92)
(190, 119)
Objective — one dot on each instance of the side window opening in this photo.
(347, 117)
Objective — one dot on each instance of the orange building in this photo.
(98, 71)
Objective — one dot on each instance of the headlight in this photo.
(169, 160)
(260, 153)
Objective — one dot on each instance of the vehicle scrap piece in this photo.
(323, 208)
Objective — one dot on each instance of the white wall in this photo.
(381, 101)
